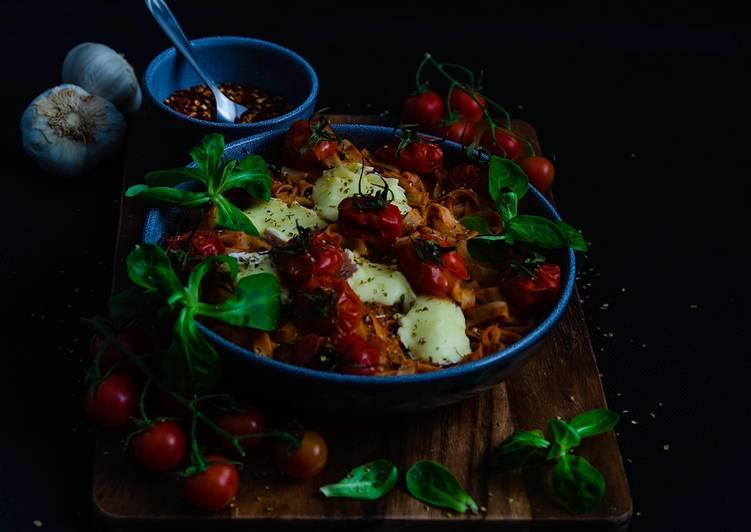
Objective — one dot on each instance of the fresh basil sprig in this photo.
(250, 174)
(367, 482)
(192, 365)
(432, 483)
(578, 485)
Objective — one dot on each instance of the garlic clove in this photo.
(68, 131)
(100, 70)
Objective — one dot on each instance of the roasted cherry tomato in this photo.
(329, 306)
(371, 218)
(307, 255)
(160, 447)
(505, 145)
(469, 175)
(132, 338)
(308, 142)
(424, 109)
(463, 103)
(306, 461)
(420, 156)
(113, 401)
(356, 355)
(202, 243)
(431, 268)
(538, 293)
(215, 487)
(251, 421)
(461, 131)
(539, 170)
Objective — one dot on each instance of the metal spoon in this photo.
(226, 109)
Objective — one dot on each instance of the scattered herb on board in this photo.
(217, 176)
(578, 485)
(432, 483)
(367, 482)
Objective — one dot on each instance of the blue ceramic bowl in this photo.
(309, 388)
(241, 60)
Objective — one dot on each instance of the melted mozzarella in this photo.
(280, 220)
(434, 331)
(341, 182)
(379, 283)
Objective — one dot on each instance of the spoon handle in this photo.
(166, 20)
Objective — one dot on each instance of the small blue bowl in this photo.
(252, 373)
(263, 64)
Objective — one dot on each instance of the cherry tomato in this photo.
(329, 306)
(430, 267)
(539, 170)
(304, 462)
(308, 142)
(460, 131)
(161, 447)
(251, 421)
(215, 487)
(506, 144)
(306, 349)
(424, 109)
(113, 401)
(462, 102)
(202, 243)
(305, 256)
(535, 294)
(468, 175)
(371, 218)
(418, 156)
(358, 356)
(132, 338)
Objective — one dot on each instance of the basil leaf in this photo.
(518, 449)
(367, 482)
(578, 485)
(565, 437)
(507, 204)
(171, 196)
(594, 422)
(230, 217)
(535, 230)
(489, 248)
(208, 157)
(252, 175)
(149, 267)
(126, 305)
(254, 303)
(194, 281)
(476, 223)
(432, 483)
(192, 365)
(506, 174)
(175, 176)
(574, 239)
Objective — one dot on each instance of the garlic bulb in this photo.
(68, 131)
(102, 71)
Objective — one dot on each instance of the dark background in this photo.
(645, 111)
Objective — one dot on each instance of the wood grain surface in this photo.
(561, 381)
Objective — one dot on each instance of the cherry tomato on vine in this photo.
(460, 131)
(505, 145)
(160, 447)
(419, 156)
(306, 461)
(113, 401)
(431, 268)
(371, 218)
(424, 109)
(539, 170)
(308, 142)
(251, 421)
(215, 487)
(305, 256)
(468, 175)
(537, 293)
(328, 305)
(358, 356)
(202, 243)
(133, 338)
(462, 103)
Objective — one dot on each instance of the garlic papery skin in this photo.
(68, 131)
(100, 70)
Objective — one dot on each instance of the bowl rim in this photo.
(461, 370)
(150, 75)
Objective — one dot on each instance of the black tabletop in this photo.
(645, 113)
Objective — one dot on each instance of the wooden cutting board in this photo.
(561, 381)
